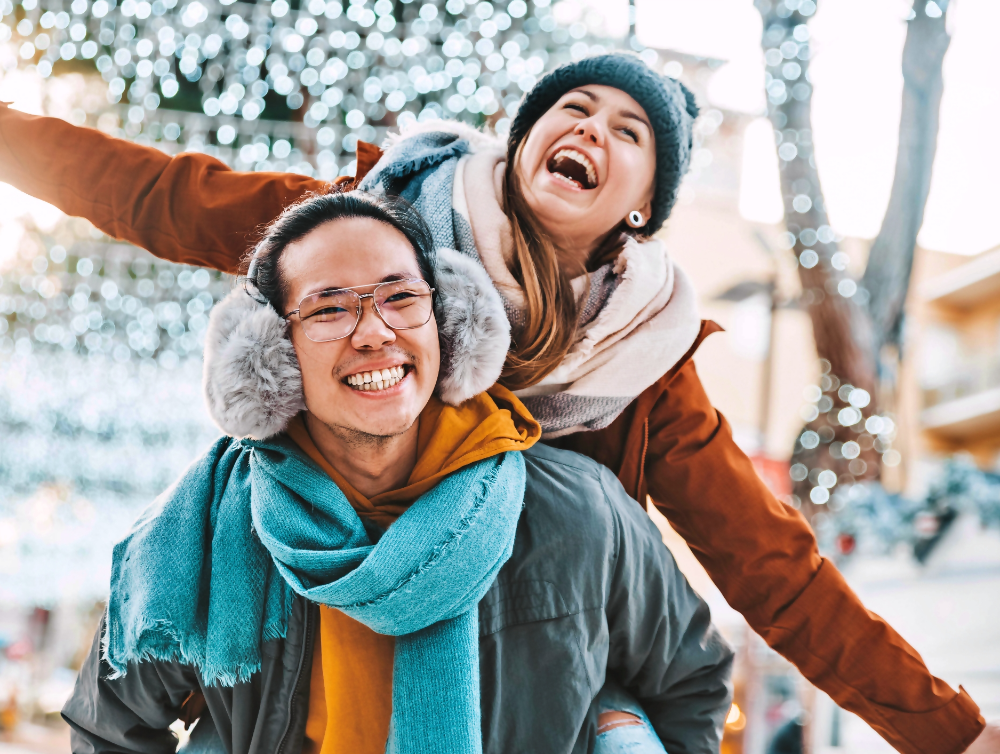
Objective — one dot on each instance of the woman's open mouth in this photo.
(573, 168)
(378, 379)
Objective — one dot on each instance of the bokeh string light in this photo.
(100, 402)
(844, 440)
(294, 86)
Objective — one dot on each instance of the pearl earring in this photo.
(635, 219)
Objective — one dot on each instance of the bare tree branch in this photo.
(890, 261)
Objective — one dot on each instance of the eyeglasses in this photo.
(335, 314)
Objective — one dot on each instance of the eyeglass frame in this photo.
(361, 298)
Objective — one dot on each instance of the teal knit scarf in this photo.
(208, 573)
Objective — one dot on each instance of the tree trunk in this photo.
(848, 335)
(890, 261)
(841, 327)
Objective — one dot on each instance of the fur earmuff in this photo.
(472, 326)
(252, 380)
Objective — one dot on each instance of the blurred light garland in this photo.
(829, 405)
(111, 301)
(293, 86)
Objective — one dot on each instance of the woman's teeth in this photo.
(574, 168)
(568, 181)
(379, 379)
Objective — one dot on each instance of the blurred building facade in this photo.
(958, 305)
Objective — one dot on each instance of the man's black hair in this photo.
(264, 272)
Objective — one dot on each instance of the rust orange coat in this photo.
(670, 442)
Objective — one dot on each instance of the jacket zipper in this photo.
(306, 649)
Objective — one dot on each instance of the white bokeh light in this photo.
(857, 77)
(964, 199)
(760, 183)
(858, 85)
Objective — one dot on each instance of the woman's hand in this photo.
(988, 741)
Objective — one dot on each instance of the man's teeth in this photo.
(379, 379)
(572, 154)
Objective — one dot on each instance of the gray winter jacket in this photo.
(589, 593)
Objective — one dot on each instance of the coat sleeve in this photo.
(130, 714)
(663, 646)
(190, 209)
(763, 557)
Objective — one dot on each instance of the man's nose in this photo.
(371, 333)
(591, 130)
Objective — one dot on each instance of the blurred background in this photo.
(839, 220)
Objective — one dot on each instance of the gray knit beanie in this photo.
(668, 103)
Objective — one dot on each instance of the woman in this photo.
(649, 417)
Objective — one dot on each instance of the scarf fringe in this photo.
(158, 641)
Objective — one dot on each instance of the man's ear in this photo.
(251, 380)
(472, 327)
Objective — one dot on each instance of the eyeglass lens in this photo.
(331, 315)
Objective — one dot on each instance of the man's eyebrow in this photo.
(392, 277)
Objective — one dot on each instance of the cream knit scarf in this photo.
(639, 319)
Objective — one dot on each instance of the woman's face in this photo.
(587, 163)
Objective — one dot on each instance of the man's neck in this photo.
(370, 464)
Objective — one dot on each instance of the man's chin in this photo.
(374, 427)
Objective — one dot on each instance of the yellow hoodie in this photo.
(350, 690)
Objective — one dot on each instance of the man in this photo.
(382, 566)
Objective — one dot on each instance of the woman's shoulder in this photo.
(446, 130)
(425, 146)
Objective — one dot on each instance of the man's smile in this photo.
(378, 379)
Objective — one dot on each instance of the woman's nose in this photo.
(371, 333)
(591, 131)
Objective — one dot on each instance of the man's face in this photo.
(350, 253)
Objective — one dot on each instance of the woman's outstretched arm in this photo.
(763, 556)
(190, 208)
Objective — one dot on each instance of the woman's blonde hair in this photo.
(548, 324)
(545, 332)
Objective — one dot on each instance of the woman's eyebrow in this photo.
(635, 116)
(623, 113)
